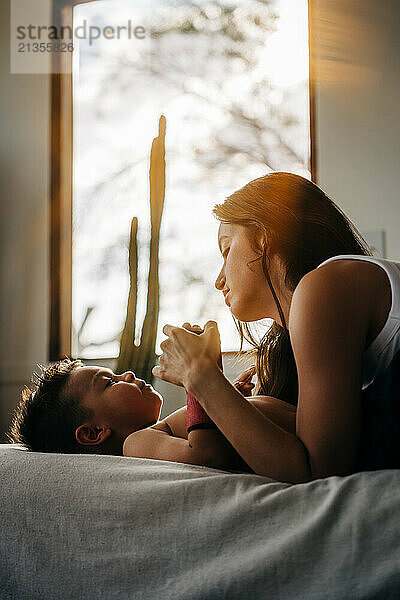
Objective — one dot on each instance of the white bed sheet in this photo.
(103, 527)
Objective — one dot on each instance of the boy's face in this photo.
(121, 403)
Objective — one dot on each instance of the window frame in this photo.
(61, 168)
(61, 173)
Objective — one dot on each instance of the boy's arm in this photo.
(204, 447)
(175, 423)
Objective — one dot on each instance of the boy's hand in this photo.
(243, 383)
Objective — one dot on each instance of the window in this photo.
(232, 80)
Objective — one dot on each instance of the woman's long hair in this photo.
(304, 227)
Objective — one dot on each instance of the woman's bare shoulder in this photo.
(346, 283)
(359, 290)
(353, 274)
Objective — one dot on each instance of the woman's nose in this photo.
(220, 281)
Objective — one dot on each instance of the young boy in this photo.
(79, 409)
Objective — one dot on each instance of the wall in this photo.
(357, 133)
(357, 117)
(24, 217)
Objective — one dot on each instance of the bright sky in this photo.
(286, 52)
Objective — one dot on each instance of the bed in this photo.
(105, 527)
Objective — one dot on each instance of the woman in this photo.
(333, 348)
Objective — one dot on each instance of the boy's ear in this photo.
(90, 435)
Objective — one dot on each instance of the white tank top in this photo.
(380, 431)
(381, 352)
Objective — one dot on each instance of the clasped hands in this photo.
(190, 353)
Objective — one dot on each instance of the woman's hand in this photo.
(193, 328)
(243, 382)
(187, 354)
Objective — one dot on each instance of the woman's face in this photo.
(122, 403)
(242, 281)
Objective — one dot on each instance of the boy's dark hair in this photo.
(46, 417)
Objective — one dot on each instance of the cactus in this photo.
(141, 358)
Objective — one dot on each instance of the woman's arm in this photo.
(328, 330)
(280, 412)
(268, 449)
(329, 324)
(265, 446)
(176, 423)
